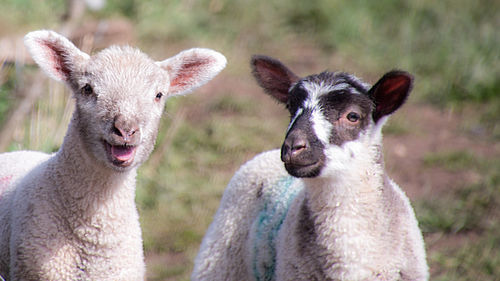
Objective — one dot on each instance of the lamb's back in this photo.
(14, 166)
(230, 240)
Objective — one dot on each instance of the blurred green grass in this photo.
(452, 48)
(469, 211)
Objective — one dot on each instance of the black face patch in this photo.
(338, 106)
(296, 99)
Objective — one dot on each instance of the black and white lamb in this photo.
(330, 212)
(71, 215)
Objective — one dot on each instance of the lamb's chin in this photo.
(304, 171)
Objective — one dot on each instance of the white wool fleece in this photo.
(269, 227)
(72, 215)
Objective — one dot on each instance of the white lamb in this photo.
(330, 212)
(71, 215)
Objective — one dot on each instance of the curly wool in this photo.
(72, 215)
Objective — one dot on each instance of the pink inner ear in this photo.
(394, 84)
(390, 95)
(58, 58)
(187, 72)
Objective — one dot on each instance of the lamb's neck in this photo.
(85, 181)
(351, 188)
(344, 213)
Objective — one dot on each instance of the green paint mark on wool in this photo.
(264, 231)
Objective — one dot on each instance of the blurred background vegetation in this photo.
(443, 149)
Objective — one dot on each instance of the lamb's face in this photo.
(335, 118)
(120, 97)
(329, 111)
(120, 92)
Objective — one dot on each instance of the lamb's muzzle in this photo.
(124, 138)
(302, 151)
(302, 154)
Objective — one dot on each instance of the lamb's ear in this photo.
(274, 77)
(55, 54)
(390, 92)
(192, 68)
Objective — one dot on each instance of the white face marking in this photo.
(314, 92)
(340, 87)
(352, 155)
(321, 126)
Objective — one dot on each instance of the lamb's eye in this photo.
(87, 90)
(353, 117)
(158, 96)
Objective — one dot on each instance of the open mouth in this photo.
(120, 155)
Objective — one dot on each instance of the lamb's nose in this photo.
(127, 131)
(293, 146)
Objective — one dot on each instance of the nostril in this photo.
(117, 131)
(293, 147)
(298, 146)
(285, 152)
(126, 134)
(125, 130)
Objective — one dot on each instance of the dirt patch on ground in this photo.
(431, 131)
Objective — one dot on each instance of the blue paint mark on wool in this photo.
(276, 202)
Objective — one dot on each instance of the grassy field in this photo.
(442, 148)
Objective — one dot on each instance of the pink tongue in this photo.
(122, 153)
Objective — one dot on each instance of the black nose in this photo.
(295, 144)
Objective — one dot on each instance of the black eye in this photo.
(87, 90)
(353, 117)
(158, 96)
